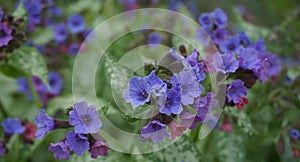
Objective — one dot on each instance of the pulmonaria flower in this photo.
(295, 134)
(84, 118)
(225, 63)
(189, 120)
(55, 11)
(248, 58)
(193, 58)
(243, 102)
(13, 126)
(259, 45)
(205, 20)
(236, 91)
(60, 150)
(231, 45)
(155, 130)
(60, 32)
(154, 38)
(219, 35)
(295, 153)
(5, 35)
(158, 87)
(220, 18)
(189, 86)
(274, 63)
(24, 87)
(138, 92)
(44, 124)
(78, 143)
(1, 14)
(2, 149)
(226, 127)
(76, 24)
(99, 148)
(56, 82)
(29, 133)
(204, 104)
(244, 39)
(73, 49)
(176, 129)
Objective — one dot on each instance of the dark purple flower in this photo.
(248, 58)
(205, 20)
(76, 24)
(158, 87)
(138, 92)
(60, 32)
(60, 150)
(78, 143)
(5, 35)
(2, 149)
(231, 45)
(73, 49)
(219, 35)
(99, 148)
(189, 86)
(155, 130)
(274, 63)
(204, 104)
(13, 126)
(236, 91)
(84, 118)
(225, 63)
(56, 82)
(244, 39)
(259, 45)
(220, 18)
(154, 38)
(295, 134)
(44, 123)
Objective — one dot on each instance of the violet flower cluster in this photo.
(85, 121)
(15, 126)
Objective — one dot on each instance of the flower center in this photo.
(2, 33)
(86, 119)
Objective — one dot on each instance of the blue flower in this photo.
(225, 63)
(244, 39)
(154, 38)
(60, 32)
(193, 58)
(24, 87)
(259, 45)
(138, 92)
(155, 130)
(73, 49)
(295, 134)
(274, 63)
(158, 87)
(78, 143)
(236, 91)
(84, 118)
(205, 20)
(189, 86)
(56, 82)
(203, 104)
(76, 24)
(44, 124)
(2, 149)
(55, 11)
(219, 35)
(220, 18)
(1, 13)
(5, 35)
(33, 7)
(248, 58)
(231, 45)
(13, 126)
(60, 150)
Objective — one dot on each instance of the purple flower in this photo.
(60, 32)
(56, 82)
(174, 61)
(220, 18)
(259, 45)
(219, 35)
(99, 148)
(24, 87)
(231, 45)
(236, 91)
(189, 120)
(5, 35)
(274, 63)
(2, 149)
(200, 72)
(158, 87)
(33, 7)
(189, 86)
(225, 63)
(155, 130)
(13, 126)
(205, 20)
(44, 124)
(193, 58)
(76, 24)
(244, 39)
(154, 38)
(60, 150)
(73, 49)
(295, 134)
(203, 104)
(78, 143)
(1, 13)
(138, 92)
(55, 11)
(84, 118)
(248, 58)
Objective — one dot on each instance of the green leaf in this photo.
(182, 150)
(111, 157)
(20, 12)
(25, 61)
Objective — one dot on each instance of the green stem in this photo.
(3, 111)
(33, 92)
